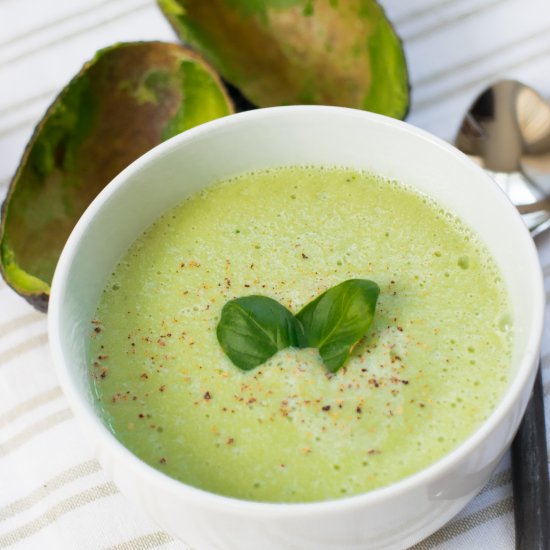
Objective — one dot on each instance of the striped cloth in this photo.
(53, 493)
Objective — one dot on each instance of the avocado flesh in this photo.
(126, 100)
(284, 52)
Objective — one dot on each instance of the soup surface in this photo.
(431, 368)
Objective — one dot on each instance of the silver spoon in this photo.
(507, 131)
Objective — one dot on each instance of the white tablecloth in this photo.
(53, 494)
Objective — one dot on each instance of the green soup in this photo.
(430, 370)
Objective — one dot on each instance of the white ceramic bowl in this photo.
(392, 517)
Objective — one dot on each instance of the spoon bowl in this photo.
(507, 132)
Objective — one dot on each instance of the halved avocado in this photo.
(281, 52)
(126, 100)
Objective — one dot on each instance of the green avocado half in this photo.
(127, 99)
(284, 52)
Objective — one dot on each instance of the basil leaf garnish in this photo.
(254, 328)
(337, 319)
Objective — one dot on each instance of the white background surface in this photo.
(53, 494)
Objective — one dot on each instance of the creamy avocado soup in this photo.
(430, 369)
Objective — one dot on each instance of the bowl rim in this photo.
(524, 376)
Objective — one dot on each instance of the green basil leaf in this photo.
(336, 320)
(254, 328)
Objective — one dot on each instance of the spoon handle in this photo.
(530, 208)
(530, 476)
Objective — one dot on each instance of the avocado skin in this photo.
(126, 100)
(37, 300)
(287, 52)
